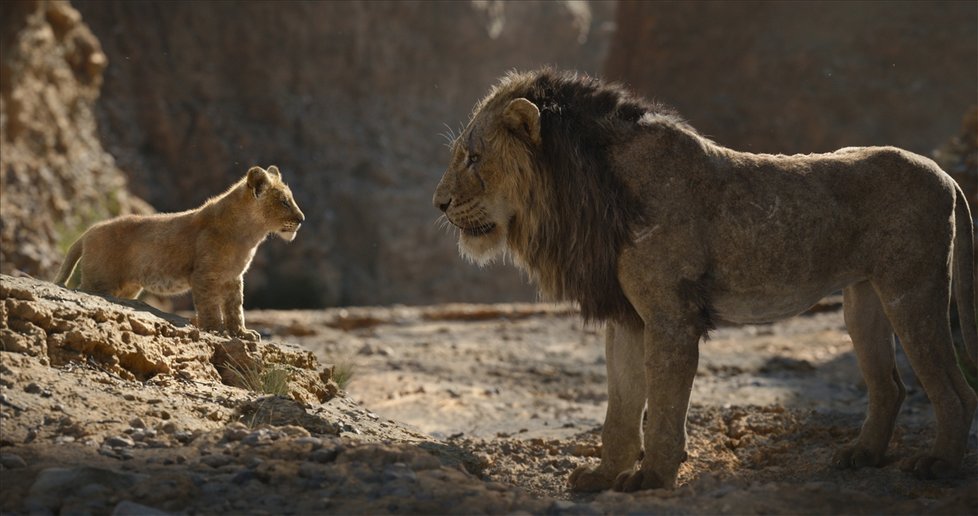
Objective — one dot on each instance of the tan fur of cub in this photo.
(206, 250)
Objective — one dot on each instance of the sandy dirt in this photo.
(450, 409)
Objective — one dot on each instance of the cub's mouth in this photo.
(480, 230)
(288, 232)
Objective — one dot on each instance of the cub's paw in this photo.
(245, 334)
(638, 480)
(855, 457)
(928, 467)
(586, 479)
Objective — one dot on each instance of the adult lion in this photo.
(618, 204)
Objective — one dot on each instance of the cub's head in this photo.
(486, 186)
(277, 209)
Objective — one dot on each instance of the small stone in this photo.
(325, 455)
(216, 461)
(127, 508)
(243, 477)
(33, 388)
(118, 441)
(12, 461)
(257, 437)
(137, 422)
(169, 427)
(183, 436)
(129, 397)
(235, 432)
(314, 443)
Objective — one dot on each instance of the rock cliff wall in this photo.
(55, 176)
(788, 77)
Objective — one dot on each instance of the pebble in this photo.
(323, 455)
(183, 436)
(257, 437)
(236, 432)
(127, 508)
(119, 441)
(137, 422)
(33, 388)
(12, 461)
(216, 461)
(169, 427)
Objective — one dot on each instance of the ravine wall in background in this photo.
(799, 77)
(350, 100)
(55, 176)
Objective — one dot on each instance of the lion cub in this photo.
(206, 250)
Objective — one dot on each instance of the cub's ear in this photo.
(273, 170)
(257, 181)
(523, 118)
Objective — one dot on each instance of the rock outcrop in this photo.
(136, 342)
(55, 176)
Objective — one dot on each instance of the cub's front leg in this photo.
(206, 291)
(234, 310)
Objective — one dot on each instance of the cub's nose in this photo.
(441, 204)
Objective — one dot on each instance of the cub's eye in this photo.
(285, 203)
(472, 160)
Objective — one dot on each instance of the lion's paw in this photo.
(638, 480)
(586, 479)
(855, 457)
(928, 467)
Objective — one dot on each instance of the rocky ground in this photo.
(113, 407)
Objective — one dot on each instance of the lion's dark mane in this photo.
(586, 215)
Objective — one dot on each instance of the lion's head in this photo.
(492, 159)
(531, 175)
(276, 208)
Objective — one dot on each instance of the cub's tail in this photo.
(963, 272)
(74, 253)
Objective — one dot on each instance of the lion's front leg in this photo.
(671, 356)
(234, 311)
(621, 439)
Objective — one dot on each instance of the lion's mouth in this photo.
(480, 230)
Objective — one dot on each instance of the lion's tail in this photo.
(963, 273)
(74, 253)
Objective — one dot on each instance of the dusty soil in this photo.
(451, 408)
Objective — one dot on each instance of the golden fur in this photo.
(618, 204)
(206, 250)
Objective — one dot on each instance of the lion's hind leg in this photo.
(919, 314)
(872, 340)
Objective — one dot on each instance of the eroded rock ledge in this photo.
(137, 342)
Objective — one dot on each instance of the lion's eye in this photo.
(473, 159)
(284, 203)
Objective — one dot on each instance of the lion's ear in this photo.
(257, 180)
(523, 118)
(273, 170)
